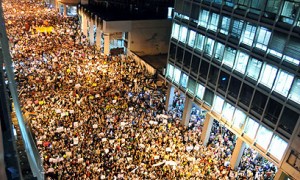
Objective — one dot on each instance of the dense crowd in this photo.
(101, 117)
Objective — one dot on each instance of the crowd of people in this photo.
(101, 117)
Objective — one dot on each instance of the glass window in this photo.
(289, 11)
(183, 34)
(263, 38)
(239, 119)
(208, 49)
(170, 71)
(192, 85)
(184, 80)
(249, 35)
(291, 60)
(268, 75)
(203, 18)
(253, 68)
(241, 62)
(229, 56)
(175, 31)
(263, 137)
(177, 74)
(284, 82)
(219, 51)
(225, 25)
(192, 38)
(273, 6)
(295, 91)
(228, 111)
(251, 128)
(218, 104)
(274, 147)
(237, 27)
(213, 24)
(200, 91)
(200, 42)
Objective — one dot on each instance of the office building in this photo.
(240, 61)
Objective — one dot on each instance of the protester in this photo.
(101, 117)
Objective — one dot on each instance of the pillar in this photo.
(98, 37)
(170, 92)
(92, 33)
(206, 130)
(65, 10)
(106, 43)
(84, 24)
(187, 111)
(237, 153)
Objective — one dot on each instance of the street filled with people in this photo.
(103, 117)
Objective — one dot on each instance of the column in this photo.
(170, 91)
(98, 37)
(92, 33)
(206, 128)
(187, 111)
(84, 24)
(237, 153)
(65, 10)
(106, 43)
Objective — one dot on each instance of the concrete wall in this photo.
(150, 37)
(116, 26)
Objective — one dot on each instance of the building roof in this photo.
(111, 11)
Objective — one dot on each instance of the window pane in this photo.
(273, 6)
(218, 104)
(200, 91)
(249, 35)
(241, 62)
(263, 39)
(170, 71)
(183, 34)
(213, 22)
(192, 85)
(253, 68)
(251, 128)
(200, 42)
(237, 27)
(274, 147)
(219, 51)
(177, 74)
(268, 75)
(263, 137)
(208, 49)
(192, 38)
(283, 82)
(228, 112)
(203, 18)
(184, 80)
(229, 56)
(239, 119)
(291, 60)
(295, 91)
(225, 25)
(289, 11)
(175, 31)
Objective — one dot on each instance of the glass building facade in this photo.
(242, 59)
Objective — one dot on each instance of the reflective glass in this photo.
(239, 119)
(170, 71)
(184, 80)
(295, 91)
(183, 34)
(218, 104)
(177, 74)
(200, 42)
(241, 62)
(268, 75)
(192, 38)
(283, 83)
(225, 25)
(200, 91)
(228, 111)
(213, 24)
(274, 147)
(253, 68)
(249, 34)
(203, 18)
(219, 51)
(208, 49)
(175, 31)
(263, 137)
(263, 38)
(251, 128)
(229, 56)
